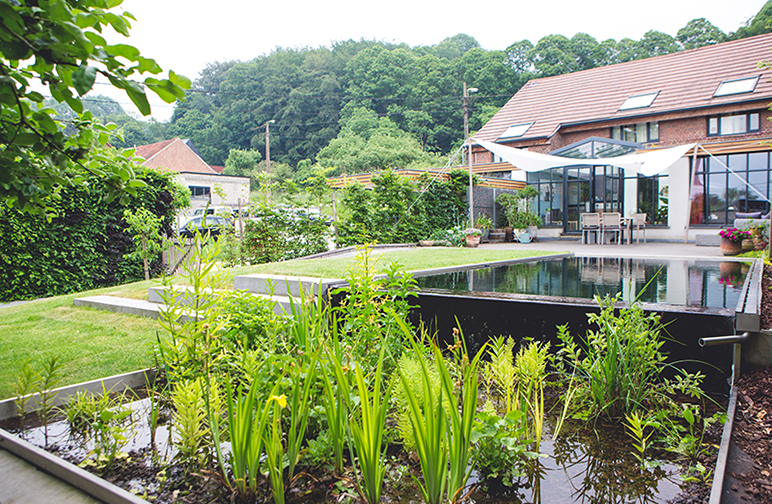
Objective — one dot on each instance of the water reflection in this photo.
(686, 282)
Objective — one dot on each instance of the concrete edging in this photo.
(69, 473)
(116, 383)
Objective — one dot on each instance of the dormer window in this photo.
(639, 101)
(516, 130)
(737, 86)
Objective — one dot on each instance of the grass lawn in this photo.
(94, 343)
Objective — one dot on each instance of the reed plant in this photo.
(367, 421)
(274, 450)
(429, 425)
(246, 422)
(443, 428)
(302, 378)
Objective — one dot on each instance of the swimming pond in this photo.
(680, 282)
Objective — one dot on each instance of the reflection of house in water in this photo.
(683, 282)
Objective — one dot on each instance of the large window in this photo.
(734, 124)
(638, 133)
(718, 194)
(549, 183)
(653, 197)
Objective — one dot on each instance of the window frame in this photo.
(649, 127)
(748, 122)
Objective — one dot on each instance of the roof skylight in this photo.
(516, 130)
(639, 101)
(737, 86)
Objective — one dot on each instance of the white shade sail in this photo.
(647, 163)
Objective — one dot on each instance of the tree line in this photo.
(363, 105)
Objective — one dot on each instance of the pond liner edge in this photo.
(66, 472)
(717, 488)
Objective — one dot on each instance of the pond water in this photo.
(683, 282)
(589, 465)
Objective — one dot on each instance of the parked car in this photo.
(212, 224)
(213, 210)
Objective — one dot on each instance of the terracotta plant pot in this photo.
(730, 248)
(759, 244)
(747, 244)
(472, 240)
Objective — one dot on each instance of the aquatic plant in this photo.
(620, 362)
(367, 421)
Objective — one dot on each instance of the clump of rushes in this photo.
(367, 421)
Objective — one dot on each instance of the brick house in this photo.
(715, 96)
(181, 156)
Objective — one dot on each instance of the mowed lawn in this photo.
(93, 344)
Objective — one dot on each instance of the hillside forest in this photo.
(365, 105)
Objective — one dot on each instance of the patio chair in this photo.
(638, 223)
(611, 222)
(590, 224)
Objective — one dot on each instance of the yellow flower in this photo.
(282, 400)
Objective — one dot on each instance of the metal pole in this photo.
(469, 153)
(268, 145)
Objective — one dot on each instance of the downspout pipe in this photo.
(724, 340)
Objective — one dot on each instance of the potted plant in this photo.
(472, 236)
(731, 241)
(759, 236)
(517, 207)
(484, 224)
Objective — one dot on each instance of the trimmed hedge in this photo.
(83, 246)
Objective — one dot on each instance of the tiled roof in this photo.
(150, 150)
(175, 155)
(684, 80)
(218, 169)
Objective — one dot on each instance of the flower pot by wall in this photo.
(472, 240)
(730, 248)
(747, 245)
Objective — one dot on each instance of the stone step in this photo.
(260, 283)
(150, 309)
(121, 305)
(183, 295)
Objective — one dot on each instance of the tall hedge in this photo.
(83, 246)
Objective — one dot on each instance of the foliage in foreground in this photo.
(286, 392)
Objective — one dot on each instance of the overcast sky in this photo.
(184, 36)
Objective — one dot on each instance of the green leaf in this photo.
(131, 53)
(83, 78)
(139, 99)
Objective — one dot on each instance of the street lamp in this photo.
(469, 151)
(268, 145)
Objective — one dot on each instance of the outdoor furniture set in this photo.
(605, 225)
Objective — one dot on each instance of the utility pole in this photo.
(268, 145)
(469, 150)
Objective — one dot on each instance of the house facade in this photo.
(207, 184)
(716, 97)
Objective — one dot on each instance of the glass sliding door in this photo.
(578, 196)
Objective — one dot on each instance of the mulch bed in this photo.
(753, 419)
